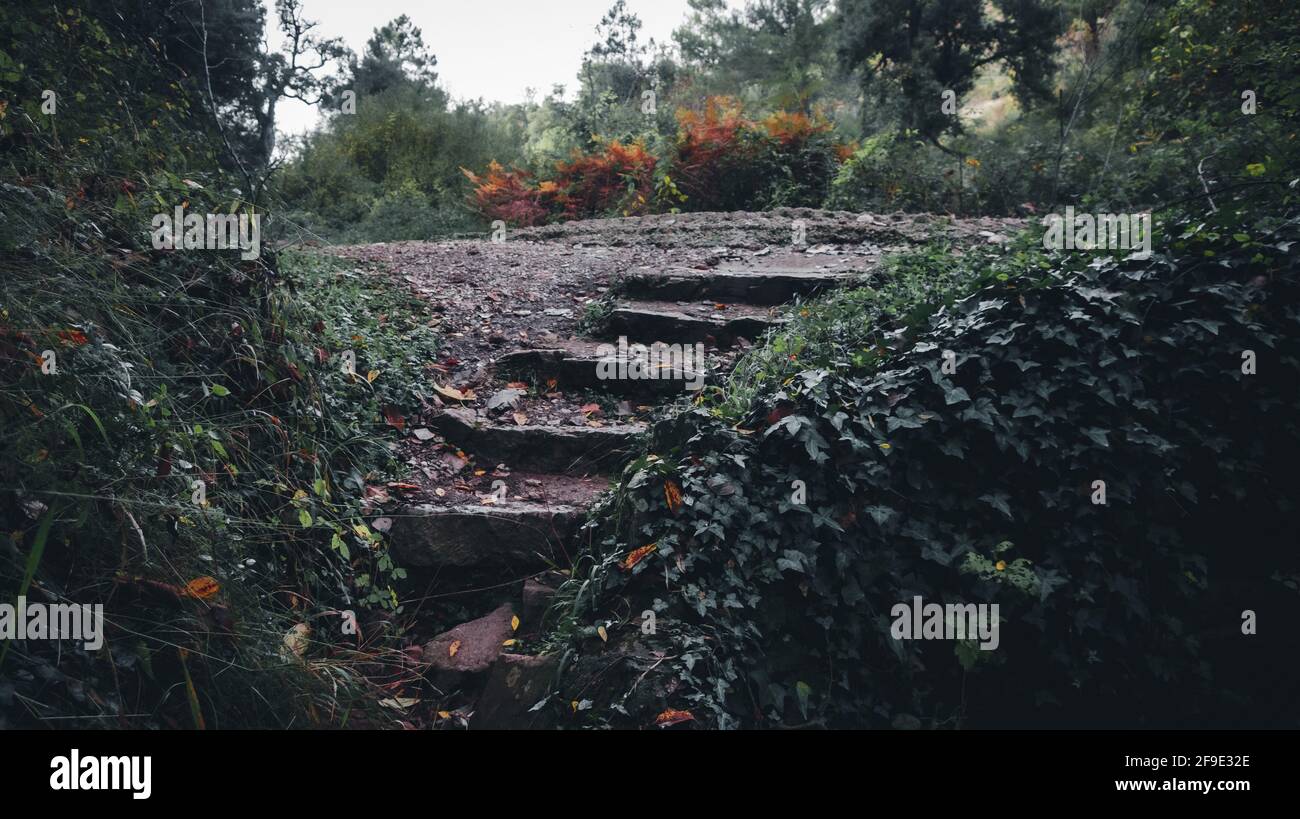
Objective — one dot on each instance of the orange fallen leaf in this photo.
(673, 495)
(636, 556)
(514, 623)
(673, 716)
(202, 588)
(453, 648)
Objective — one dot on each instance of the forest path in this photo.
(542, 391)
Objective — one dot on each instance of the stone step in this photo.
(581, 365)
(755, 285)
(513, 536)
(538, 447)
(674, 323)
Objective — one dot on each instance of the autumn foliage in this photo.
(718, 160)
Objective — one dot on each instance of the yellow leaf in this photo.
(444, 715)
(510, 642)
(372, 375)
(1001, 565)
(453, 648)
(604, 635)
(514, 623)
(454, 394)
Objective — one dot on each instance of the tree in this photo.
(910, 52)
(781, 47)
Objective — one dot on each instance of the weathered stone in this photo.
(537, 598)
(516, 683)
(462, 656)
(537, 447)
(677, 326)
(749, 286)
(518, 535)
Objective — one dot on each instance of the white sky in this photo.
(493, 49)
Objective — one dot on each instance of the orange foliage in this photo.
(705, 140)
(508, 195)
(620, 176)
(791, 129)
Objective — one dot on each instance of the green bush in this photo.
(978, 487)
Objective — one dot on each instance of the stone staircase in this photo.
(722, 307)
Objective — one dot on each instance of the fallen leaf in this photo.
(514, 623)
(202, 588)
(394, 418)
(296, 640)
(604, 635)
(371, 376)
(520, 418)
(636, 555)
(454, 394)
(673, 495)
(673, 716)
(453, 648)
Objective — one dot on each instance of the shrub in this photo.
(977, 486)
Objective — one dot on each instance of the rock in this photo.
(477, 645)
(537, 598)
(505, 399)
(516, 683)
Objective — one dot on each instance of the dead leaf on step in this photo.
(453, 648)
(487, 500)
(454, 394)
(518, 385)
(440, 492)
(423, 434)
(520, 418)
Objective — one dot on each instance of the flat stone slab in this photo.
(680, 324)
(577, 365)
(754, 286)
(519, 536)
(537, 447)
